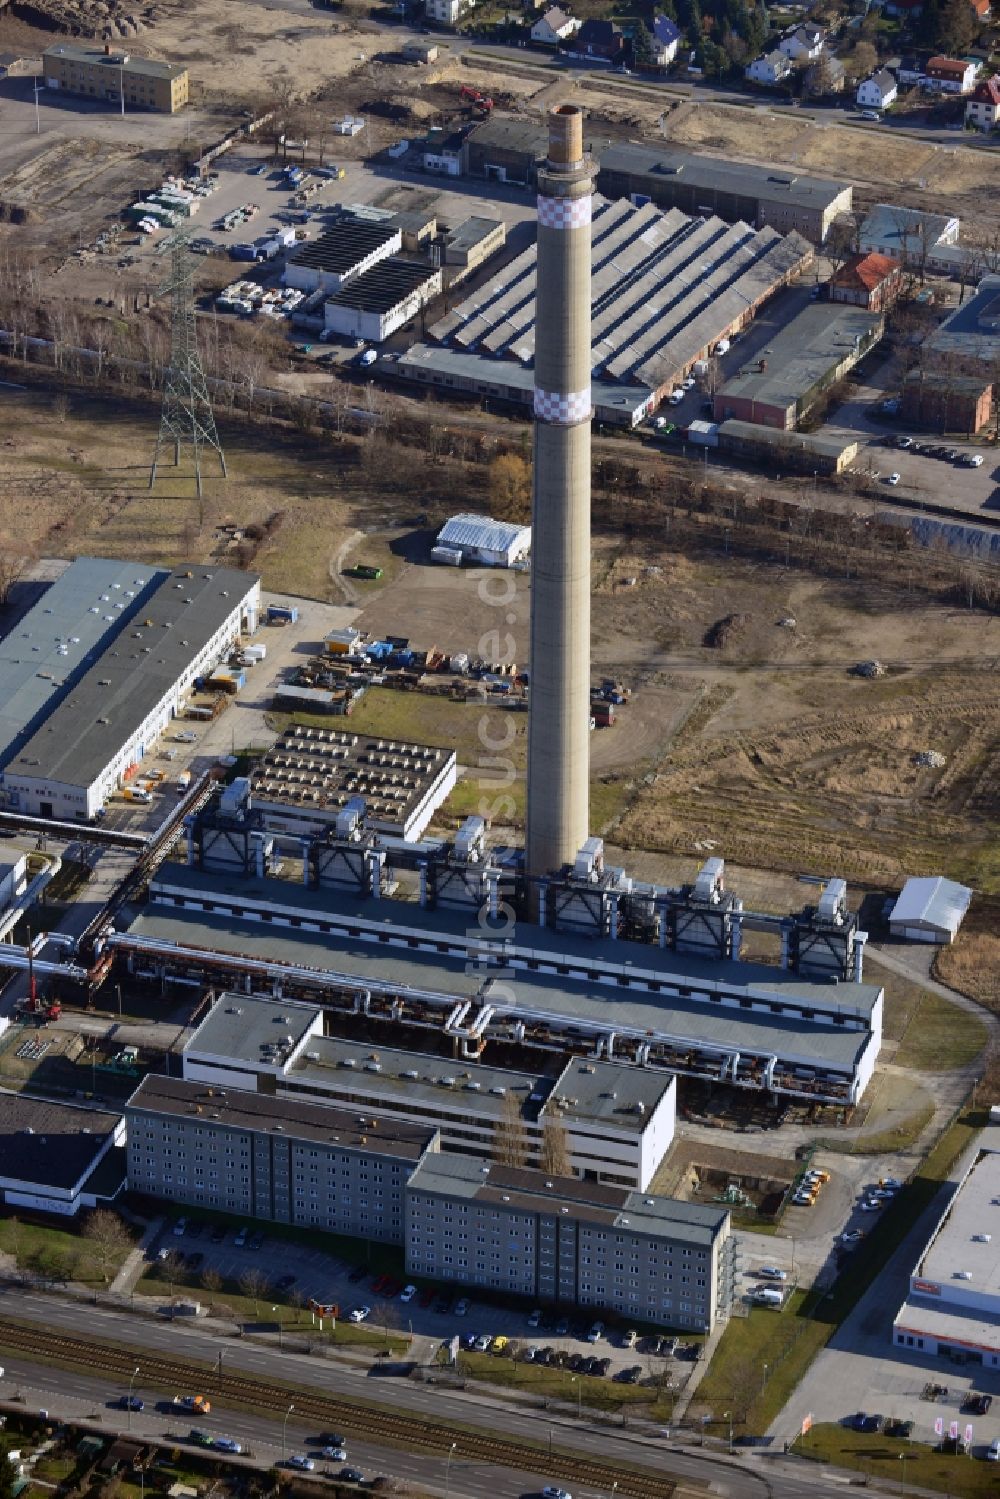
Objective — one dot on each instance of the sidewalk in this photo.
(134, 1261)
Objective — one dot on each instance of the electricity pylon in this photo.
(186, 416)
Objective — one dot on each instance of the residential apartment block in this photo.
(562, 1241)
(555, 1239)
(115, 76)
(283, 1162)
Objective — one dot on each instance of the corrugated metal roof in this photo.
(483, 533)
(932, 902)
(47, 651)
(128, 677)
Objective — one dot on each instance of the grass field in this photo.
(940, 1037)
(51, 1252)
(890, 1460)
(269, 1311)
(652, 1401)
(788, 1341)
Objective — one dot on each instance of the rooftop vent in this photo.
(981, 1238)
(963, 1274)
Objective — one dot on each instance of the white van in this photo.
(769, 1296)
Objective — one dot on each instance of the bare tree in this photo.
(555, 1148)
(109, 1239)
(510, 1144)
(211, 1280)
(12, 569)
(253, 1283)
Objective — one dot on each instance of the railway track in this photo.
(370, 1421)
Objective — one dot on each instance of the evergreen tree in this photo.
(642, 43)
(928, 26)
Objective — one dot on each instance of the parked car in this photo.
(132, 1403)
(227, 1444)
(771, 1272)
(892, 479)
(335, 1454)
(551, 1491)
(241, 1238)
(306, 1464)
(461, 1308)
(360, 1314)
(535, 1319)
(180, 1227)
(255, 1241)
(596, 1333)
(408, 1293)
(993, 1451)
(870, 1206)
(482, 1343)
(352, 1475)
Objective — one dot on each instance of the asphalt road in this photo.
(740, 1480)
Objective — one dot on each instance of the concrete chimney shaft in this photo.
(559, 718)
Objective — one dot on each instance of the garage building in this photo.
(492, 543)
(120, 706)
(929, 910)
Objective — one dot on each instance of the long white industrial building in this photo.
(120, 705)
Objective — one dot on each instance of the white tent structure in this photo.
(488, 542)
(929, 910)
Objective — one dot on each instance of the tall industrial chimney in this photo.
(559, 719)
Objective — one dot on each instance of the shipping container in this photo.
(448, 556)
(282, 613)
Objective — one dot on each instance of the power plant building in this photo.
(312, 780)
(754, 1026)
(666, 289)
(617, 1121)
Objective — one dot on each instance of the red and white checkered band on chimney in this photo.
(564, 213)
(567, 407)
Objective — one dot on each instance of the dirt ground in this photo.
(765, 750)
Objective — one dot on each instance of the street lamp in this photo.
(131, 1387)
(222, 1354)
(902, 1457)
(447, 1471)
(284, 1429)
(280, 1328)
(763, 1383)
(579, 1396)
(728, 1416)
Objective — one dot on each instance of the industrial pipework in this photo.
(559, 716)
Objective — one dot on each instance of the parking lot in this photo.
(935, 480)
(288, 1274)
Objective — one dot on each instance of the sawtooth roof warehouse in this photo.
(117, 708)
